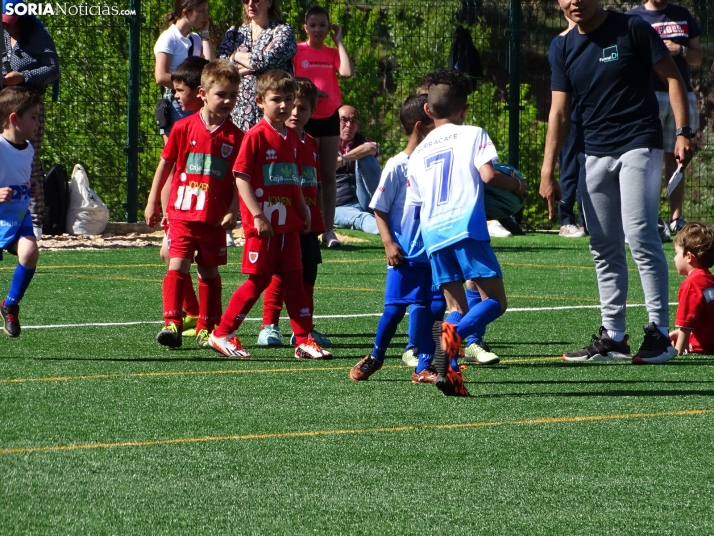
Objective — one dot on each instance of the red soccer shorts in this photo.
(187, 237)
(275, 255)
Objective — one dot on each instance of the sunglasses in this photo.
(346, 120)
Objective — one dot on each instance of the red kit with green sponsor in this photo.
(202, 185)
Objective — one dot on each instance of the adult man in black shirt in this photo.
(605, 65)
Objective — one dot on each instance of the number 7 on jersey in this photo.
(441, 161)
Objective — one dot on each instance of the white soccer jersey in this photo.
(444, 181)
(389, 197)
(15, 173)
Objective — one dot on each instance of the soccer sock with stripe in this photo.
(173, 286)
(20, 281)
(190, 301)
(473, 298)
(386, 329)
(273, 301)
(210, 307)
(476, 320)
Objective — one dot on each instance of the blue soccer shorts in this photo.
(464, 260)
(408, 284)
(10, 236)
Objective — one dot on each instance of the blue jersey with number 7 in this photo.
(445, 186)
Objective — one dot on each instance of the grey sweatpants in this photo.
(621, 198)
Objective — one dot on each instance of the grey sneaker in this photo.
(270, 336)
(601, 348)
(656, 347)
(479, 352)
(676, 225)
(665, 235)
(571, 231)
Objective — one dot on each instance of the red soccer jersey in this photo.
(696, 309)
(308, 158)
(270, 160)
(202, 187)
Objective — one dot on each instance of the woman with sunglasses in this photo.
(261, 43)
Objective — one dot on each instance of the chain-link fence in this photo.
(393, 44)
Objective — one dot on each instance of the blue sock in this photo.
(437, 306)
(454, 317)
(386, 329)
(20, 281)
(424, 362)
(454, 363)
(476, 320)
(473, 297)
(417, 317)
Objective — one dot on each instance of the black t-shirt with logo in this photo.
(609, 73)
(677, 24)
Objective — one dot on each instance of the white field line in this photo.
(363, 315)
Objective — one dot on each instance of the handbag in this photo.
(162, 113)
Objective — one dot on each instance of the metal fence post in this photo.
(132, 122)
(514, 88)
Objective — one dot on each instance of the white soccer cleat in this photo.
(229, 346)
(311, 350)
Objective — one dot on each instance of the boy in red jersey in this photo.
(273, 212)
(202, 203)
(308, 160)
(694, 249)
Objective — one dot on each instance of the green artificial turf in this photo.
(102, 431)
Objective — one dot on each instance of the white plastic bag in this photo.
(87, 214)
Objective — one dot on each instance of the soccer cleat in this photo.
(319, 338)
(410, 358)
(189, 326)
(480, 352)
(656, 348)
(428, 375)
(496, 230)
(450, 340)
(311, 350)
(601, 348)
(451, 383)
(270, 336)
(202, 339)
(11, 324)
(229, 346)
(365, 368)
(169, 336)
(571, 231)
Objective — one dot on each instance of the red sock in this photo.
(210, 303)
(190, 301)
(241, 303)
(173, 286)
(273, 301)
(297, 303)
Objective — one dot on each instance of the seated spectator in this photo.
(357, 177)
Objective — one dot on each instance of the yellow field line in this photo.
(355, 431)
(227, 371)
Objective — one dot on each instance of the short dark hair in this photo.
(275, 80)
(697, 239)
(189, 71)
(448, 92)
(16, 99)
(412, 111)
(219, 71)
(317, 10)
(305, 89)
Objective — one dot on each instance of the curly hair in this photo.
(697, 239)
(448, 91)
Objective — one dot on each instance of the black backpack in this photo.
(464, 57)
(56, 200)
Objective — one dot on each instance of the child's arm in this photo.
(305, 212)
(5, 194)
(680, 339)
(152, 211)
(262, 224)
(490, 176)
(230, 220)
(395, 254)
(346, 69)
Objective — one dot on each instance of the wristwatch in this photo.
(683, 51)
(684, 131)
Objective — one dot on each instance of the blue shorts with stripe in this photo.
(408, 284)
(464, 260)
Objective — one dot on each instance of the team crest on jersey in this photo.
(271, 154)
(226, 150)
(253, 256)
